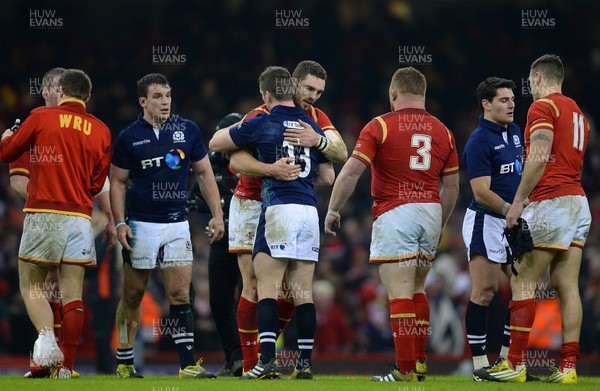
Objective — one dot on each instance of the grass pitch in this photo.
(345, 383)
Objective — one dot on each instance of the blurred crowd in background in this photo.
(221, 48)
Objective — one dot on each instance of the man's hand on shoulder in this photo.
(306, 137)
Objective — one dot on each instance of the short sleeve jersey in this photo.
(495, 151)
(408, 151)
(562, 116)
(158, 167)
(249, 186)
(265, 133)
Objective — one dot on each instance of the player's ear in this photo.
(485, 104)
(142, 101)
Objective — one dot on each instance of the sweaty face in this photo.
(157, 103)
(308, 91)
(502, 107)
(50, 93)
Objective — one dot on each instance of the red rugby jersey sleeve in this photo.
(260, 110)
(21, 166)
(323, 121)
(366, 145)
(101, 170)
(451, 166)
(11, 148)
(542, 115)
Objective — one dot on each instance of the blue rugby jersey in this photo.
(265, 133)
(495, 151)
(158, 167)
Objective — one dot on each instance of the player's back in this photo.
(266, 133)
(413, 150)
(69, 160)
(249, 187)
(562, 175)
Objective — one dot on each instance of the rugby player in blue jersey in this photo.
(155, 153)
(287, 238)
(492, 156)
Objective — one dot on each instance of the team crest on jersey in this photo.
(292, 125)
(516, 141)
(178, 136)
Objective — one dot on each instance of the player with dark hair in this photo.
(155, 153)
(223, 269)
(559, 217)
(308, 84)
(72, 147)
(492, 158)
(407, 149)
(287, 239)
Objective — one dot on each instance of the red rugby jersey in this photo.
(408, 151)
(249, 187)
(70, 157)
(562, 116)
(21, 166)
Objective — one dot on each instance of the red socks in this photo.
(72, 325)
(55, 306)
(422, 311)
(247, 319)
(402, 321)
(569, 353)
(522, 314)
(286, 311)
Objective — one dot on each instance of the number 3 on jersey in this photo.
(301, 156)
(423, 143)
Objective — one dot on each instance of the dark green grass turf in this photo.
(344, 383)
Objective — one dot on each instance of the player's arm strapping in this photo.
(331, 145)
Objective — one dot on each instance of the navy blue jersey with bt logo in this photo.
(158, 167)
(265, 133)
(495, 151)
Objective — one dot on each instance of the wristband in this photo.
(505, 208)
(332, 212)
(323, 144)
(119, 223)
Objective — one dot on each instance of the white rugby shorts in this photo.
(159, 245)
(559, 223)
(289, 231)
(406, 232)
(483, 234)
(52, 239)
(243, 220)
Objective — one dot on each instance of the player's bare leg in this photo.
(299, 278)
(54, 296)
(248, 277)
(177, 286)
(564, 276)
(71, 286)
(399, 281)
(31, 285)
(422, 316)
(127, 318)
(247, 318)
